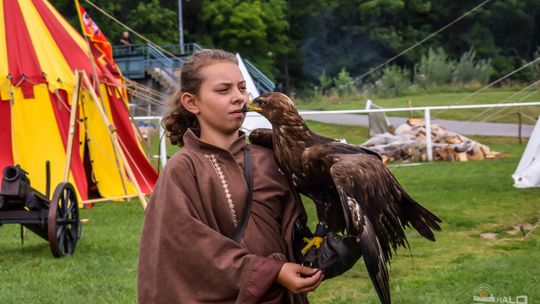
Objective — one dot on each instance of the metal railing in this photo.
(142, 49)
(263, 83)
(133, 60)
(189, 48)
(154, 52)
(165, 63)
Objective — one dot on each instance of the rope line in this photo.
(498, 111)
(506, 100)
(460, 101)
(139, 88)
(371, 71)
(498, 80)
(533, 119)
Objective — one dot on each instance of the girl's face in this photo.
(220, 100)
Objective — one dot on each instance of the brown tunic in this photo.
(186, 254)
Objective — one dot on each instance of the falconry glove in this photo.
(336, 255)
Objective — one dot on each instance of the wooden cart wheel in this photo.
(64, 225)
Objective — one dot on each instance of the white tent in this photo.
(528, 171)
(253, 120)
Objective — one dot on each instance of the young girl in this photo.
(187, 253)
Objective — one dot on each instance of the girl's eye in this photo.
(242, 89)
(223, 90)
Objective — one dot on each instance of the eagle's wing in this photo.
(379, 209)
(368, 189)
(261, 137)
(372, 202)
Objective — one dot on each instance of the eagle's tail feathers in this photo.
(375, 261)
(395, 234)
(420, 218)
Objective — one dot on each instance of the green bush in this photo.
(393, 82)
(533, 71)
(325, 83)
(470, 72)
(435, 72)
(434, 69)
(344, 84)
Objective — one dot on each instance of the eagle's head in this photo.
(276, 107)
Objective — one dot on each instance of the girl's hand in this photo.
(298, 278)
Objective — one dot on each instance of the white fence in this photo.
(162, 137)
(426, 110)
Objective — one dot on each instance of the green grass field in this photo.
(508, 115)
(471, 198)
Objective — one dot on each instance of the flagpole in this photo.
(180, 27)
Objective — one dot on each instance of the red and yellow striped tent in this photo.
(39, 52)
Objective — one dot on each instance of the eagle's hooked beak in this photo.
(250, 106)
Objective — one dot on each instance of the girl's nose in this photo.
(239, 96)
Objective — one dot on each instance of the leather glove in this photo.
(336, 255)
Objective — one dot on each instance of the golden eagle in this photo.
(354, 193)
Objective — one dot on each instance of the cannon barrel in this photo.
(15, 182)
(11, 173)
(16, 190)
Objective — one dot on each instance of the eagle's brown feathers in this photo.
(354, 193)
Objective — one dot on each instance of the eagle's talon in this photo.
(315, 241)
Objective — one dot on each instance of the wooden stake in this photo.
(519, 126)
(72, 116)
(116, 144)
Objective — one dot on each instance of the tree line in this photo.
(297, 41)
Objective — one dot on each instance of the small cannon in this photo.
(56, 220)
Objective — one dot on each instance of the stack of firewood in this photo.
(408, 143)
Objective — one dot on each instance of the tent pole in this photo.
(72, 116)
(112, 132)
